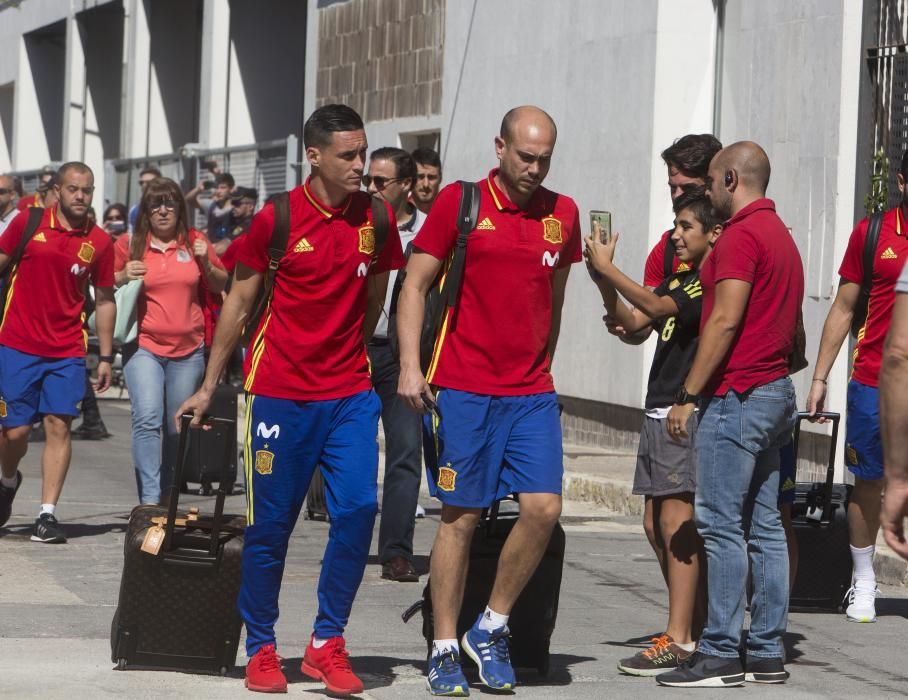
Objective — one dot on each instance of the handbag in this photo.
(126, 328)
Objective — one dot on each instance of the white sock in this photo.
(441, 646)
(863, 564)
(492, 620)
(318, 643)
(690, 646)
(48, 508)
(8, 481)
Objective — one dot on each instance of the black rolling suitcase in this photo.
(206, 447)
(177, 606)
(316, 503)
(532, 621)
(819, 516)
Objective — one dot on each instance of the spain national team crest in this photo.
(86, 252)
(367, 239)
(447, 478)
(2, 408)
(263, 461)
(551, 230)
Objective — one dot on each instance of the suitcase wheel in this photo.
(121, 664)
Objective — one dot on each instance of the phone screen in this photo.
(604, 219)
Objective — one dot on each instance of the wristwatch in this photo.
(106, 358)
(682, 397)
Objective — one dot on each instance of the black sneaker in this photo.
(6, 499)
(763, 670)
(90, 432)
(47, 530)
(664, 655)
(704, 671)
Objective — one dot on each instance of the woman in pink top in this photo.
(165, 365)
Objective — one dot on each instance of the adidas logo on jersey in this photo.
(41, 238)
(485, 225)
(888, 254)
(303, 247)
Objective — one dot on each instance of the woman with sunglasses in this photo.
(114, 220)
(164, 367)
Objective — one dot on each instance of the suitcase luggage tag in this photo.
(154, 537)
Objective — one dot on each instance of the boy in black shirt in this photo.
(666, 466)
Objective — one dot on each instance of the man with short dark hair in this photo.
(42, 348)
(242, 202)
(863, 441)
(391, 174)
(218, 208)
(753, 284)
(310, 399)
(497, 425)
(146, 175)
(8, 210)
(428, 178)
(43, 194)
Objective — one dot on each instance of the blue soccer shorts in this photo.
(32, 386)
(482, 448)
(285, 442)
(863, 440)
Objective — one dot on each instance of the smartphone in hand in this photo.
(604, 219)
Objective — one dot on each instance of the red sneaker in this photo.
(331, 665)
(263, 672)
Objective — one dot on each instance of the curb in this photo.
(615, 495)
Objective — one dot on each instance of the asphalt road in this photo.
(56, 604)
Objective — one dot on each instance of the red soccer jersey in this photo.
(309, 345)
(654, 271)
(47, 293)
(496, 341)
(891, 253)
(756, 247)
(33, 199)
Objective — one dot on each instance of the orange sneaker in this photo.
(263, 672)
(331, 665)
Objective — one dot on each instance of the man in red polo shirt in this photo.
(42, 346)
(753, 284)
(863, 441)
(499, 430)
(310, 398)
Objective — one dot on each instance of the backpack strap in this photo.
(870, 244)
(466, 222)
(277, 248)
(380, 225)
(35, 215)
(668, 258)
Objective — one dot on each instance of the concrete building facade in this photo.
(102, 80)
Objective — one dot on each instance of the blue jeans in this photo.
(737, 514)
(157, 386)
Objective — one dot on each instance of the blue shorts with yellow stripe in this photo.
(863, 439)
(285, 442)
(482, 448)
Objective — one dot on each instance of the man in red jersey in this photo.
(310, 398)
(753, 284)
(499, 431)
(863, 441)
(42, 346)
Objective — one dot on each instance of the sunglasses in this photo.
(168, 204)
(379, 181)
(3, 190)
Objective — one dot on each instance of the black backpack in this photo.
(439, 298)
(35, 214)
(870, 243)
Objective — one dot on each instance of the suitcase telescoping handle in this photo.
(830, 468)
(179, 468)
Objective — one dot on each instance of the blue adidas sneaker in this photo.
(489, 650)
(446, 677)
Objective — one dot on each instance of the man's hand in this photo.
(105, 374)
(600, 255)
(893, 514)
(816, 400)
(678, 416)
(614, 327)
(412, 387)
(197, 405)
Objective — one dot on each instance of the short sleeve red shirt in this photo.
(654, 270)
(46, 298)
(888, 261)
(495, 342)
(756, 247)
(309, 345)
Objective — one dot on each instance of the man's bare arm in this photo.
(378, 287)
(559, 283)
(894, 425)
(835, 330)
